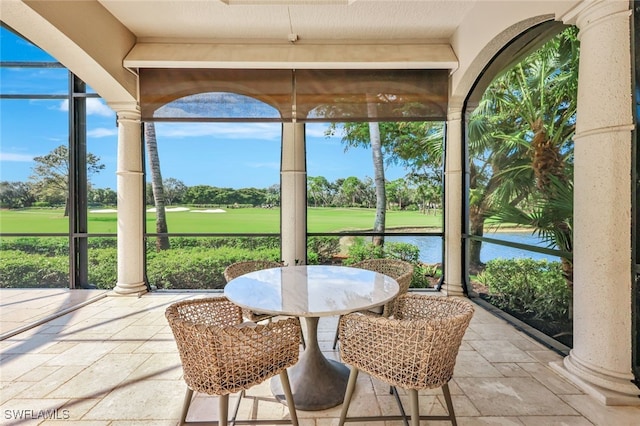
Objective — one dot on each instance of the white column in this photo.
(130, 203)
(601, 358)
(293, 195)
(453, 213)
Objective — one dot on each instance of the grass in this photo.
(254, 220)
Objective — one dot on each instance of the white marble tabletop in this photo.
(311, 291)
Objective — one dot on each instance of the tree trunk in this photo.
(162, 242)
(547, 163)
(476, 225)
(378, 170)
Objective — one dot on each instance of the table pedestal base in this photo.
(317, 383)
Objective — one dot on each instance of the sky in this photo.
(235, 155)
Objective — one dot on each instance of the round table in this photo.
(311, 292)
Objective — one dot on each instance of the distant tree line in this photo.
(402, 194)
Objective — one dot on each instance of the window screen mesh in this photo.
(284, 95)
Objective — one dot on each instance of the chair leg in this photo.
(351, 385)
(235, 410)
(335, 339)
(447, 399)
(393, 391)
(286, 387)
(304, 344)
(185, 406)
(415, 408)
(223, 409)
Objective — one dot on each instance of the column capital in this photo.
(589, 13)
(126, 110)
(454, 114)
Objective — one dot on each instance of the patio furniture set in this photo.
(231, 343)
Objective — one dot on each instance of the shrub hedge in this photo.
(191, 263)
(535, 287)
(361, 250)
(20, 270)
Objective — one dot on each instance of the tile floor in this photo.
(113, 361)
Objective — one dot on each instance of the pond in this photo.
(431, 247)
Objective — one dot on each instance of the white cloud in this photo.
(318, 130)
(9, 156)
(101, 132)
(95, 106)
(263, 131)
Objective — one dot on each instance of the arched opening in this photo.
(520, 120)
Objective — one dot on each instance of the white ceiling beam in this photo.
(291, 56)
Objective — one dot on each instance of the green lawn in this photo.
(255, 220)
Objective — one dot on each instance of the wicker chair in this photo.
(416, 349)
(244, 267)
(220, 356)
(397, 269)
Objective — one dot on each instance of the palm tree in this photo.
(369, 134)
(378, 178)
(520, 137)
(162, 241)
(551, 217)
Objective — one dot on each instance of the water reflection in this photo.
(431, 247)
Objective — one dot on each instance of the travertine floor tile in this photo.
(511, 369)
(510, 396)
(473, 364)
(550, 379)
(44, 387)
(162, 401)
(555, 421)
(99, 360)
(601, 415)
(489, 421)
(101, 377)
(500, 351)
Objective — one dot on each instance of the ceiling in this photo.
(302, 21)
(107, 42)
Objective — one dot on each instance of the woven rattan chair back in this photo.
(220, 356)
(397, 269)
(415, 349)
(244, 267)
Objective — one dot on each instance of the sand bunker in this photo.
(170, 209)
(104, 211)
(208, 211)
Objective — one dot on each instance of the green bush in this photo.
(49, 246)
(251, 243)
(361, 250)
(198, 268)
(529, 286)
(103, 267)
(403, 251)
(322, 249)
(423, 275)
(18, 270)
